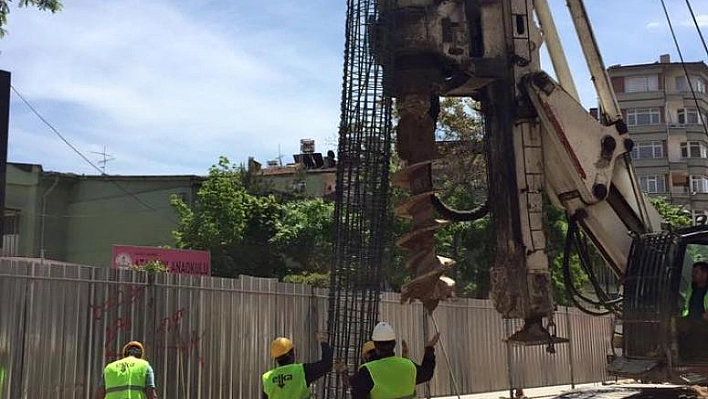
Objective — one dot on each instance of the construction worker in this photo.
(131, 377)
(696, 300)
(292, 380)
(368, 354)
(391, 377)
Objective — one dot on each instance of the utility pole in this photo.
(106, 158)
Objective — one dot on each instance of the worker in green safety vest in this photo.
(696, 299)
(291, 380)
(391, 377)
(131, 377)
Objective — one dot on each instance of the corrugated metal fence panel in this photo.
(209, 337)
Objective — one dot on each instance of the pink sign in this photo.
(177, 260)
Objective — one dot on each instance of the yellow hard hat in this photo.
(280, 346)
(134, 344)
(368, 346)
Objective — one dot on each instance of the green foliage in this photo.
(231, 223)
(318, 280)
(44, 5)
(304, 234)
(151, 266)
(672, 214)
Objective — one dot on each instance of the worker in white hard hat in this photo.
(391, 377)
(290, 380)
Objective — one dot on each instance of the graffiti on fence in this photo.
(187, 345)
(169, 331)
(121, 324)
(123, 297)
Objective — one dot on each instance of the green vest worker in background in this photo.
(391, 377)
(130, 377)
(291, 380)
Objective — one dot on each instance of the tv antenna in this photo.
(106, 158)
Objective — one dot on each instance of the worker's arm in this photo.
(101, 392)
(150, 388)
(424, 372)
(361, 384)
(313, 371)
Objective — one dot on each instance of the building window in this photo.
(648, 149)
(688, 116)
(643, 116)
(653, 184)
(637, 84)
(11, 224)
(699, 184)
(694, 149)
(699, 85)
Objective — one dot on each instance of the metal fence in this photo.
(208, 338)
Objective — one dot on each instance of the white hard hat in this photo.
(383, 332)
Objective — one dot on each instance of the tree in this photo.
(675, 215)
(45, 5)
(304, 235)
(235, 226)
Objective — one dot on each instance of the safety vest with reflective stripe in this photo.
(393, 377)
(125, 378)
(286, 382)
(687, 302)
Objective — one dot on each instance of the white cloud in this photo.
(701, 19)
(655, 25)
(153, 82)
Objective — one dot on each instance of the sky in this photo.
(169, 86)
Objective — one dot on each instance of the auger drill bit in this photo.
(416, 148)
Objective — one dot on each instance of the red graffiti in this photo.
(122, 298)
(190, 346)
(112, 331)
(172, 322)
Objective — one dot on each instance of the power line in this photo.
(685, 70)
(698, 28)
(76, 150)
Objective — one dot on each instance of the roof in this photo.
(699, 64)
(25, 167)
(124, 177)
(291, 170)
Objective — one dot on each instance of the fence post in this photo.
(426, 337)
(570, 347)
(509, 368)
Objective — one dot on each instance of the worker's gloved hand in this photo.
(339, 366)
(404, 348)
(433, 341)
(322, 337)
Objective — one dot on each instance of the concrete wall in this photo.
(86, 215)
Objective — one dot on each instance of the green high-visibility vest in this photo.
(2, 380)
(393, 377)
(286, 382)
(687, 302)
(125, 378)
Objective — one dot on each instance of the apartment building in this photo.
(666, 123)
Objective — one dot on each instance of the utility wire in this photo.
(76, 150)
(698, 28)
(685, 70)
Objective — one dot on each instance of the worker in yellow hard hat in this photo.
(390, 376)
(131, 377)
(368, 354)
(290, 380)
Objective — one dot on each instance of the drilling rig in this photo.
(539, 141)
